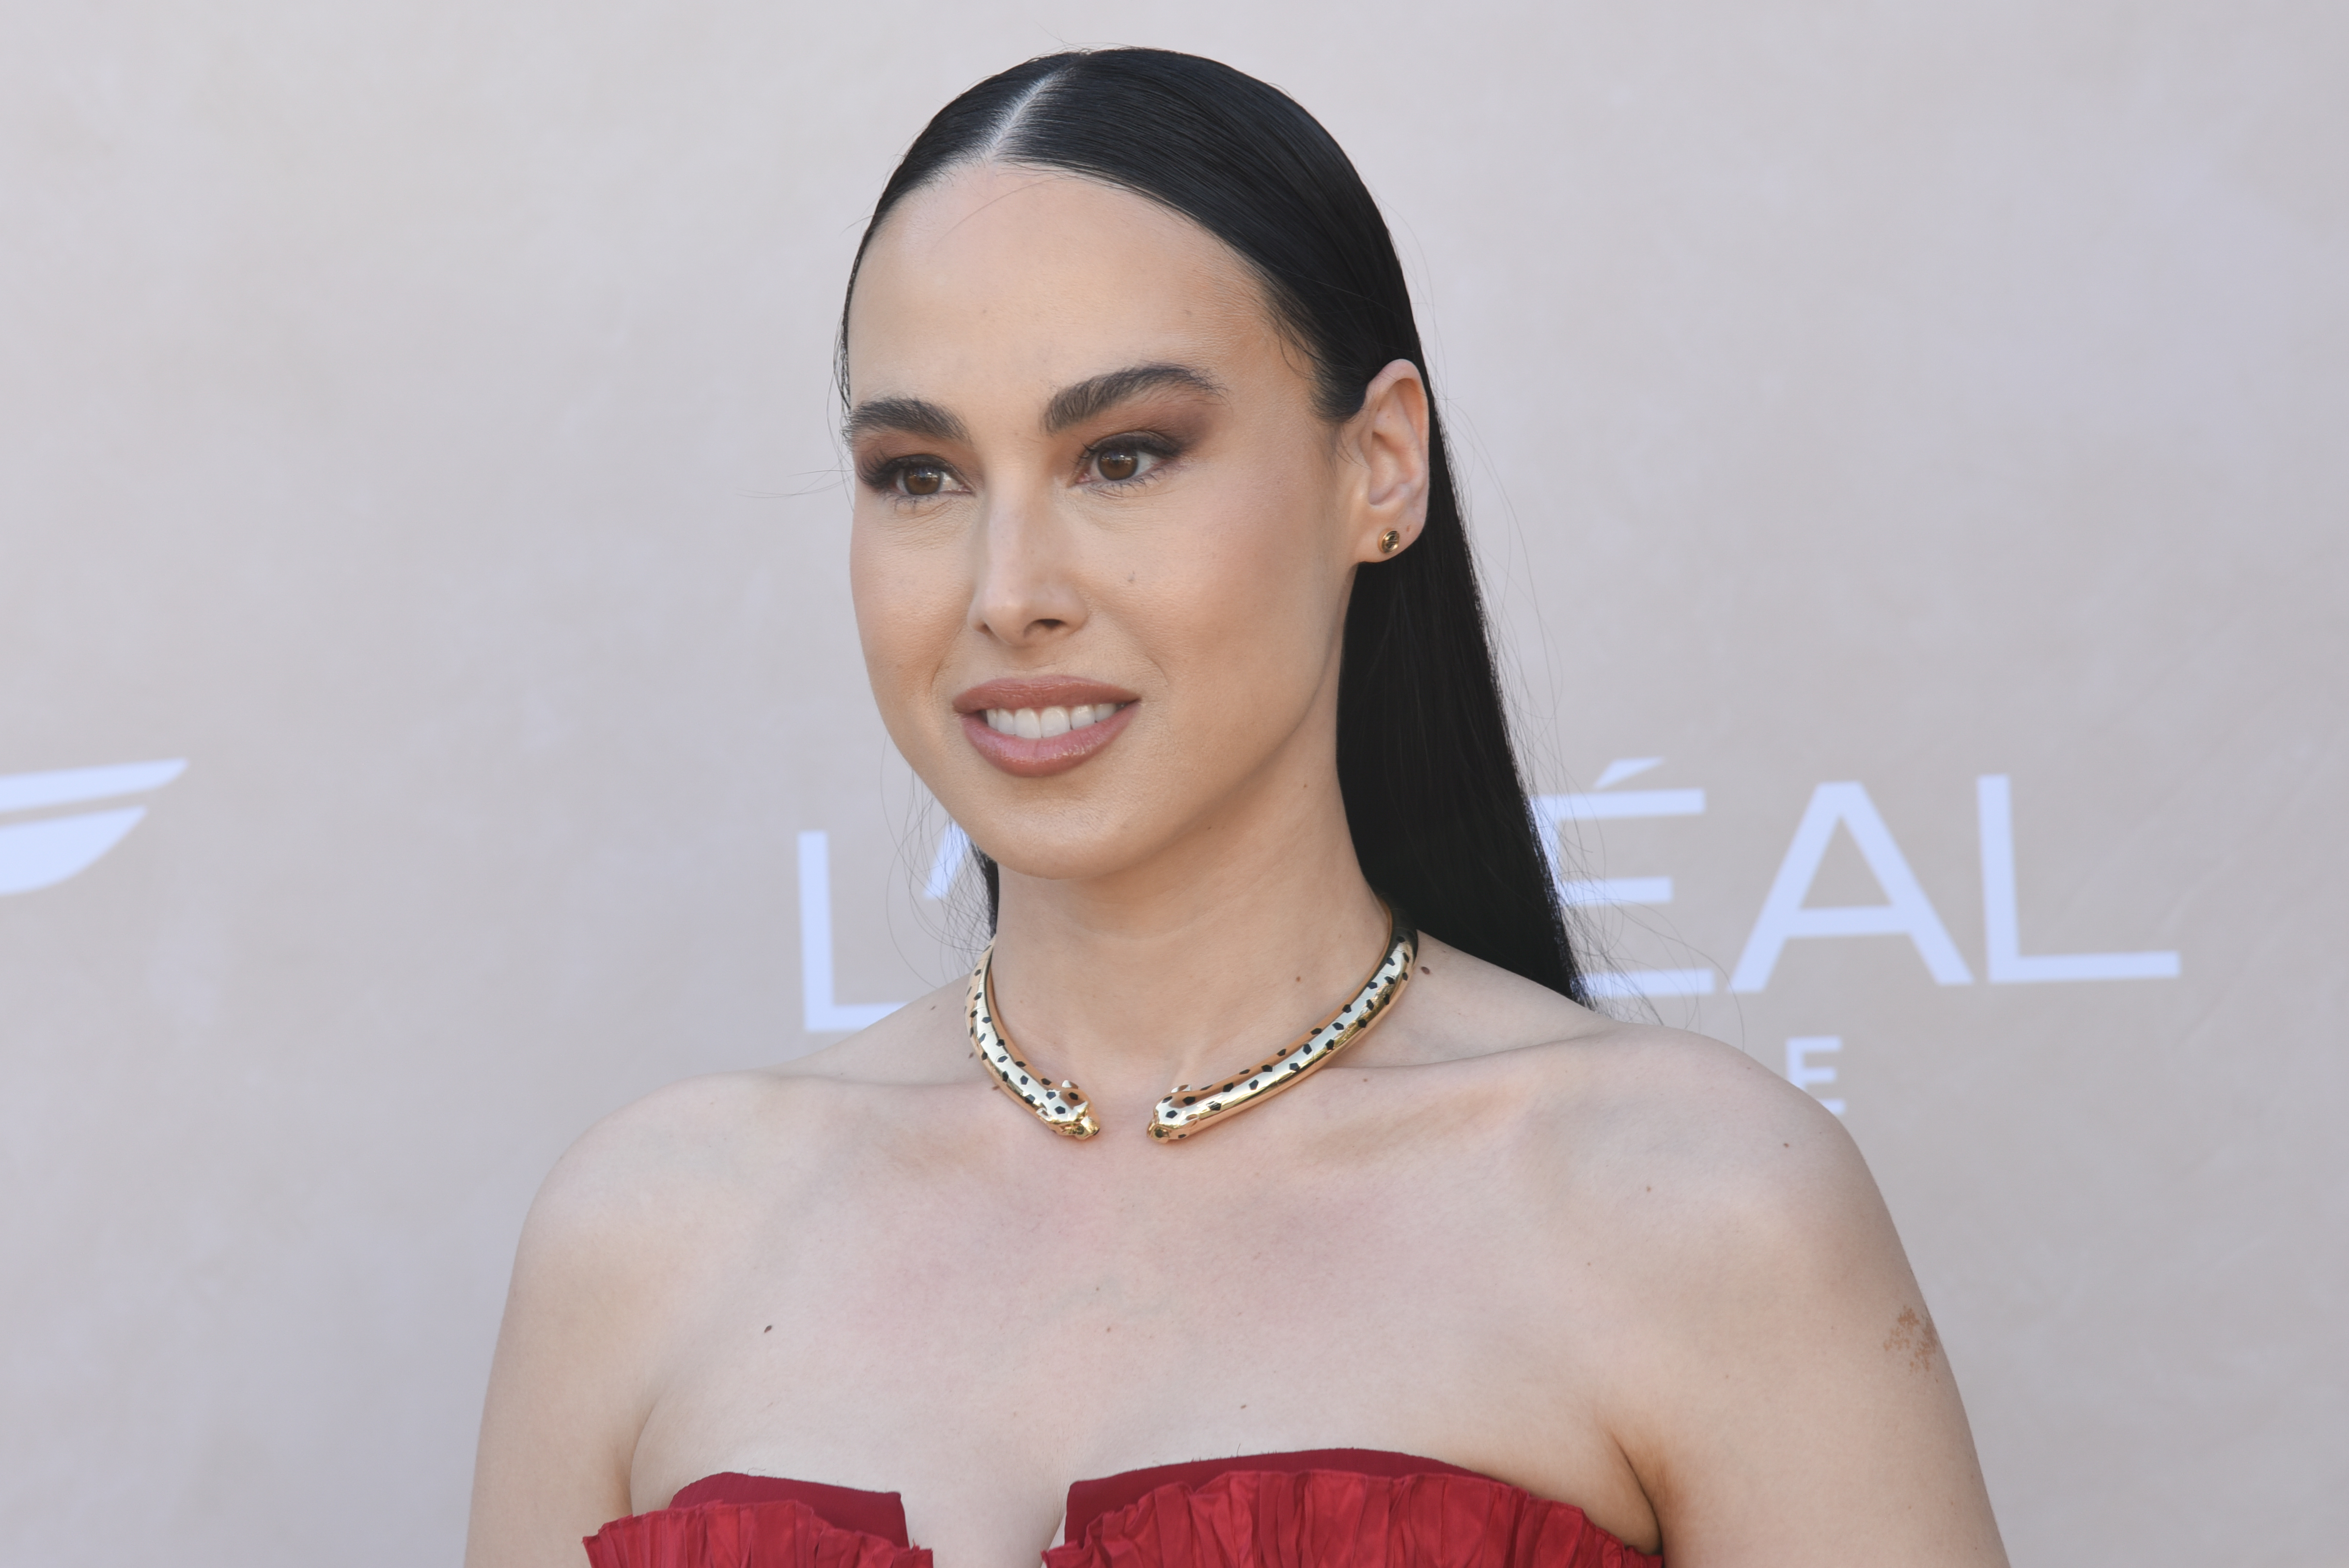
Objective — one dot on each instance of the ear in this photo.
(1387, 437)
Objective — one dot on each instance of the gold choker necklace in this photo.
(1062, 1105)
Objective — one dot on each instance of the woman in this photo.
(1163, 591)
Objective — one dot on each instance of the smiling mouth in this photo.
(1044, 723)
(1035, 728)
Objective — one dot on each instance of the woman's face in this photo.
(1103, 541)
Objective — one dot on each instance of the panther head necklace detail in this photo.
(1186, 1110)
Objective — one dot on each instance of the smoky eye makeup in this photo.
(916, 477)
(1109, 464)
(1129, 457)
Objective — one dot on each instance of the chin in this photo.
(1031, 850)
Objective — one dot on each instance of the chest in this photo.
(978, 1338)
(930, 1299)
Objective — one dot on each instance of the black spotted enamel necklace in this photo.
(1187, 1109)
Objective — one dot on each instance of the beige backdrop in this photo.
(416, 422)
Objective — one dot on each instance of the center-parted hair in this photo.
(1433, 797)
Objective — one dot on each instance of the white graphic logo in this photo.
(821, 1014)
(1552, 810)
(1802, 1074)
(1785, 915)
(1907, 912)
(44, 853)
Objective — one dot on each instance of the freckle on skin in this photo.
(1916, 1335)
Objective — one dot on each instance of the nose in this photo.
(1026, 593)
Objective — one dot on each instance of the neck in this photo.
(1229, 943)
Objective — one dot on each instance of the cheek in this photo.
(910, 596)
(1250, 581)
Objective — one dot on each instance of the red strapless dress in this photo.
(1335, 1508)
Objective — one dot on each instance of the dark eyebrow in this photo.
(1070, 406)
(1073, 404)
(910, 415)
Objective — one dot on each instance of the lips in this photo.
(1034, 728)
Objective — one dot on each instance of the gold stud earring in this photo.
(1388, 541)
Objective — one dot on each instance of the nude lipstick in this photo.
(1037, 727)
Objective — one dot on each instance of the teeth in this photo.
(1034, 724)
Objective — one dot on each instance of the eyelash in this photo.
(1147, 443)
(883, 477)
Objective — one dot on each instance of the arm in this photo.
(568, 1389)
(1795, 1407)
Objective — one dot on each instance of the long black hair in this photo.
(1433, 798)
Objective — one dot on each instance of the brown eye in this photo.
(1118, 463)
(921, 480)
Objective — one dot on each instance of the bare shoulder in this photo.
(642, 1220)
(1769, 1367)
(632, 1166)
(1722, 1189)
(649, 1170)
(649, 1200)
(1667, 1117)
(621, 1230)
(1621, 1109)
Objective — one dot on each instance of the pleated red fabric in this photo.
(881, 1513)
(1332, 1509)
(1335, 1519)
(743, 1535)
